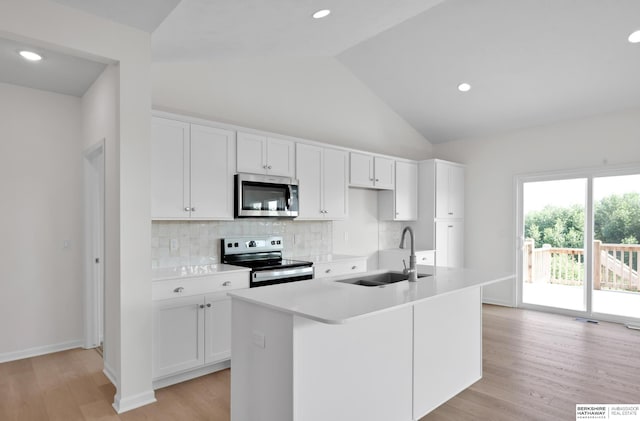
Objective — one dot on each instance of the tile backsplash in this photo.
(198, 242)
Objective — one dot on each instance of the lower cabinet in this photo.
(190, 332)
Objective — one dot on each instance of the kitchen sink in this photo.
(380, 279)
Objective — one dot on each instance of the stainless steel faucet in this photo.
(412, 271)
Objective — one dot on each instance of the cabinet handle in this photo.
(397, 213)
(377, 179)
(209, 305)
(178, 290)
(268, 167)
(424, 258)
(327, 271)
(264, 166)
(370, 179)
(450, 213)
(354, 267)
(450, 226)
(201, 306)
(193, 209)
(187, 209)
(226, 283)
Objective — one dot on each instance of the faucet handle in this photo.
(405, 271)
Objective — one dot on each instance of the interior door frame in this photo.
(589, 174)
(94, 247)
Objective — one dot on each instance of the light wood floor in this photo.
(537, 366)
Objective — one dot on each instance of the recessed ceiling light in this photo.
(635, 37)
(30, 55)
(464, 87)
(321, 14)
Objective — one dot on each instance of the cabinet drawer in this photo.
(201, 285)
(326, 269)
(425, 257)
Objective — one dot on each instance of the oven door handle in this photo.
(269, 275)
(289, 194)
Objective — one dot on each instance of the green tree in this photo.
(617, 219)
(557, 226)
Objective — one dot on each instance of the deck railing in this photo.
(615, 265)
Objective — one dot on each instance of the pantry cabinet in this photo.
(440, 223)
(191, 170)
(322, 174)
(371, 171)
(258, 154)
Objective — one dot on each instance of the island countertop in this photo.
(328, 301)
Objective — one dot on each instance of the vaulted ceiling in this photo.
(529, 62)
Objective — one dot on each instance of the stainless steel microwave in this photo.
(259, 196)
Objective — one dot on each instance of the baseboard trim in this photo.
(111, 375)
(127, 404)
(497, 302)
(40, 350)
(188, 375)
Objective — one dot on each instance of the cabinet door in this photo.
(309, 174)
(280, 157)
(169, 168)
(334, 184)
(211, 172)
(449, 191)
(217, 328)
(456, 191)
(406, 192)
(252, 153)
(361, 170)
(384, 173)
(178, 335)
(449, 243)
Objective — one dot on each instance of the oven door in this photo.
(265, 196)
(279, 276)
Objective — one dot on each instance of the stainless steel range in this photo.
(263, 255)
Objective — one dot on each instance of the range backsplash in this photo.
(198, 242)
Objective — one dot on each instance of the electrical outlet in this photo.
(174, 244)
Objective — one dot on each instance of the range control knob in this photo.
(252, 243)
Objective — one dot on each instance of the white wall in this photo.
(41, 208)
(311, 98)
(55, 26)
(100, 121)
(493, 162)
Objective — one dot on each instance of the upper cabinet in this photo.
(322, 174)
(371, 171)
(401, 204)
(191, 171)
(449, 190)
(258, 154)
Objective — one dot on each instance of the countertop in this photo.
(181, 272)
(327, 301)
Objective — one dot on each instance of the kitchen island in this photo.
(323, 349)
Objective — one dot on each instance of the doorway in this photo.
(579, 235)
(94, 169)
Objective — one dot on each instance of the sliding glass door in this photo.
(554, 270)
(616, 287)
(579, 236)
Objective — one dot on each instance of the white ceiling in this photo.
(530, 62)
(56, 72)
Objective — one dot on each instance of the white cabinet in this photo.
(191, 171)
(449, 193)
(396, 259)
(449, 243)
(258, 154)
(322, 174)
(401, 204)
(340, 266)
(440, 223)
(371, 171)
(192, 331)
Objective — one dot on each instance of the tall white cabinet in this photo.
(440, 224)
